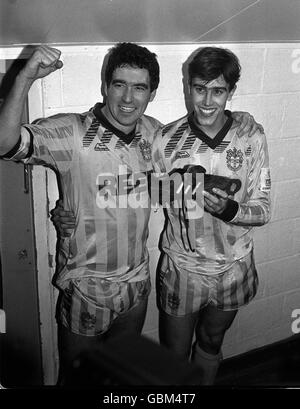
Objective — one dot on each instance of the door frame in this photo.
(44, 195)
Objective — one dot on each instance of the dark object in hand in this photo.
(228, 185)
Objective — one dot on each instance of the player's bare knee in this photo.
(209, 340)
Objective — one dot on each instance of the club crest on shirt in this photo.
(234, 158)
(145, 148)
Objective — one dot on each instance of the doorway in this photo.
(21, 358)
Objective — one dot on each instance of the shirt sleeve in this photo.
(159, 165)
(159, 181)
(48, 142)
(254, 209)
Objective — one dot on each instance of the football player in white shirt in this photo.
(207, 268)
(103, 267)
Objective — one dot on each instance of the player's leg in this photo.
(91, 309)
(70, 346)
(231, 290)
(131, 321)
(179, 304)
(80, 321)
(176, 333)
(133, 301)
(210, 330)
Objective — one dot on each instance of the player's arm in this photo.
(254, 210)
(220, 205)
(42, 62)
(247, 124)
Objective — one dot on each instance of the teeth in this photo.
(126, 109)
(207, 111)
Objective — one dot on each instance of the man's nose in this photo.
(207, 100)
(127, 95)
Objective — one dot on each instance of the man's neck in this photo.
(214, 138)
(211, 130)
(126, 137)
(125, 130)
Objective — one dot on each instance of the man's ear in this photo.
(230, 95)
(152, 95)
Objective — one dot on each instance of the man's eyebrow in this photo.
(118, 80)
(141, 84)
(136, 84)
(204, 86)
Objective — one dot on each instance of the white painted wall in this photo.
(270, 90)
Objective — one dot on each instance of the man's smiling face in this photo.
(209, 101)
(127, 97)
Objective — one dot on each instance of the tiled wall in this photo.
(270, 90)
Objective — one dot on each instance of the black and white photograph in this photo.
(149, 198)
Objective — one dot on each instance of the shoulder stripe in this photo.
(104, 141)
(174, 139)
(90, 134)
(120, 144)
(202, 148)
(106, 137)
(222, 146)
(136, 140)
(189, 142)
(166, 129)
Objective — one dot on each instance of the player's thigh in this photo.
(176, 332)
(213, 324)
(131, 321)
(71, 345)
(229, 291)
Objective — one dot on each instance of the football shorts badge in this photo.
(145, 148)
(234, 158)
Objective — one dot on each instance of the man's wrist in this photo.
(229, 212)
(23, 81)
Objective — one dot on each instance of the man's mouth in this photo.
(128, 110)
(207, 111)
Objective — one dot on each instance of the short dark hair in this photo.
(133, 55)
(211, 62)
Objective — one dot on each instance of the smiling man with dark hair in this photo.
(207, 268)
